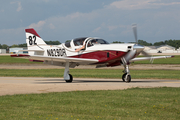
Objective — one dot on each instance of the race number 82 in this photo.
(32, 40)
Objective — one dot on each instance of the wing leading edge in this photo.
(149, 58)
(59, 59)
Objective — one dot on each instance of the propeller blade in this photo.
(145, 54)
(134, 27)
(130, 55)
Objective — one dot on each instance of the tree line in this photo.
(173, 43)
(4, 46)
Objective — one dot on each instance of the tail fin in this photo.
(34, 42)
(32, 38)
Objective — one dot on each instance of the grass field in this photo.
(92, 73)
(130, 104)
(11, 60)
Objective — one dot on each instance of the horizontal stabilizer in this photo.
(20, 55)
(30, 50)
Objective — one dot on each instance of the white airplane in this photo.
(95, 51)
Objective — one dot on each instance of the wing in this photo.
(149, 58)
(57, 59)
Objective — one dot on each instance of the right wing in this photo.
(149, 58)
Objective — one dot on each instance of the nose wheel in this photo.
(126, 78)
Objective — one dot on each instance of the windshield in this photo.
(96, 41)
(67, 44)
(79, 41)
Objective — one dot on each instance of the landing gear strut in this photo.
(67, 77)
(126, 77)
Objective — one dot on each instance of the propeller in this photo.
(134, 27)
(137, 47)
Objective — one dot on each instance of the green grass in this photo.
(13, 60)
(130, 104)
(92, 73)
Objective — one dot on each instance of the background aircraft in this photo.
(95, 51)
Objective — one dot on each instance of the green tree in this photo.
(22, 45)
(14, 46)
(0, 46)
(4, 46)
(117, 42)
(144, 43)
(159, 43)
(68, 41)
(173, 43)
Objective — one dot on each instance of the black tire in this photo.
(128, 78)
(123, 77)
(71, 79)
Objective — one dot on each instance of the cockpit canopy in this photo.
(96, 41)
(79, 41)
(87, 41)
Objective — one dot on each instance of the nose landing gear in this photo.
(126, 77)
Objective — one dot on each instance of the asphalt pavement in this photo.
(27, 85)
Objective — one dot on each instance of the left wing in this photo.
(149, 58)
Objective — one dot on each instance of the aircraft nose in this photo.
(138, 48)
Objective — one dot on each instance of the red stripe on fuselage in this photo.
(102, 56)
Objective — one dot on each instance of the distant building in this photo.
(161, 49)
(15, 50)
(2, 51)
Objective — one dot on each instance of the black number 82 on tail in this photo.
(32, 40)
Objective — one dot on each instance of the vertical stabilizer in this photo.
(34, 41)
(32, 38)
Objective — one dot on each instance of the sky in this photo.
(157, 20)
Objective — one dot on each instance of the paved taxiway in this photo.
(26, 85)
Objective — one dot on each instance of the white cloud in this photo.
(38, 25)
(19, 6)
(51, 26)
(112, 24)
(97, 29)
(140, 4)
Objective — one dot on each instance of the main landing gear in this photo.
(67, 77)
(126, 77)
